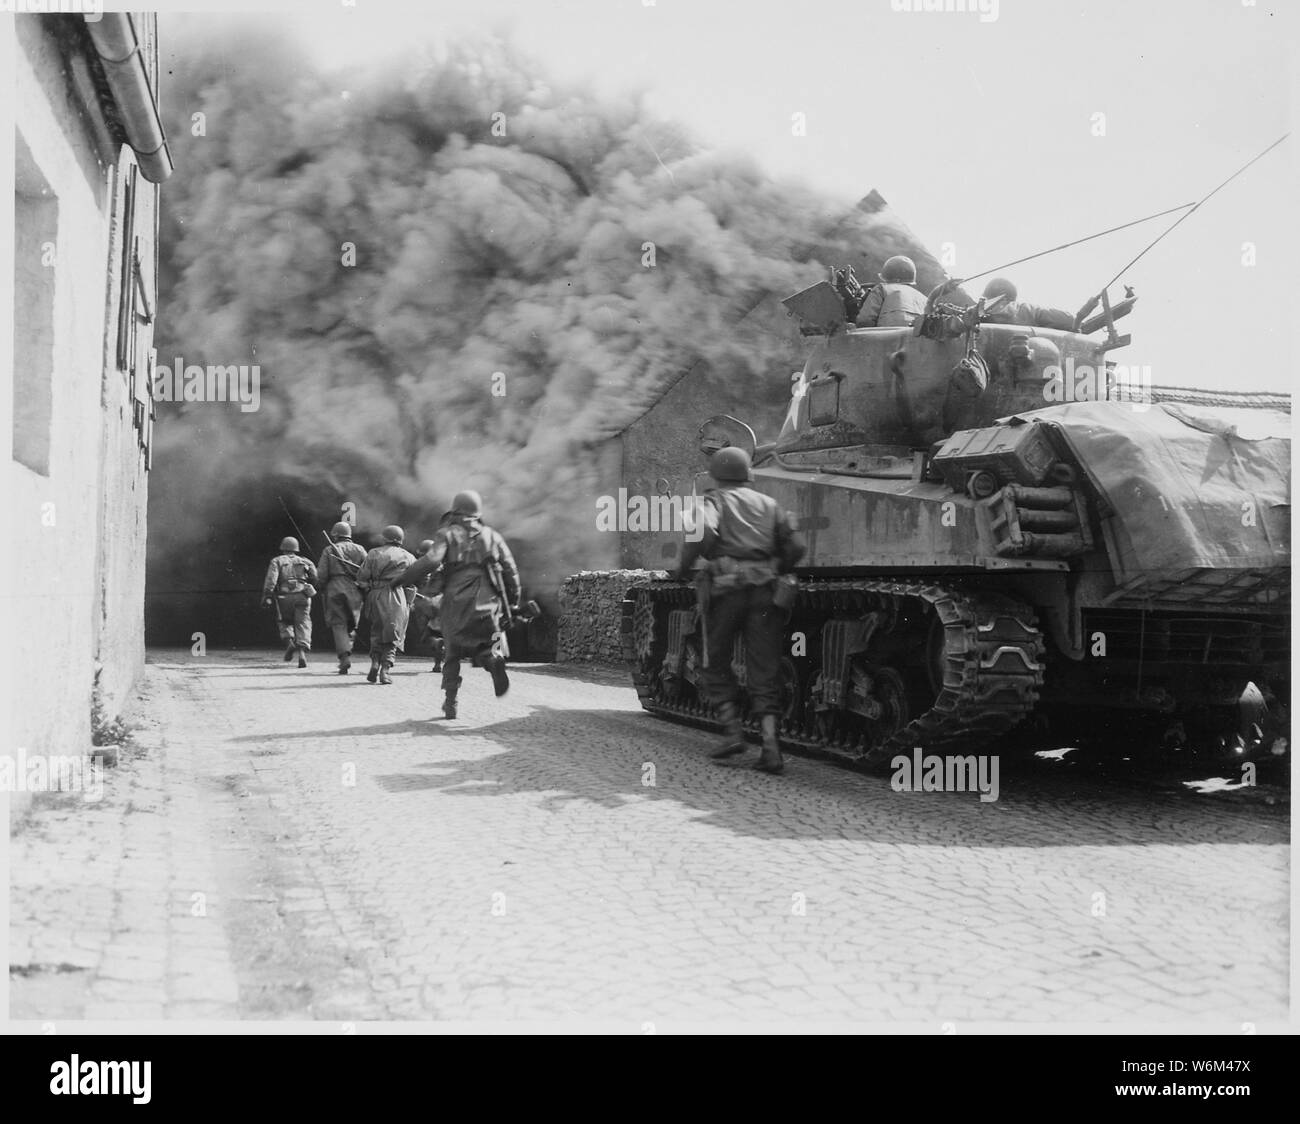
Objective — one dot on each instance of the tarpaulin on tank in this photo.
(1192, 486)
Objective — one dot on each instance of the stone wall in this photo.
(77, 477)
(591, 609)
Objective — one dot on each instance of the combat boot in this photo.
(373, 675)
(770, 760)
(733, 737)
(449, 703)
(302, 657)
(500, 680)
(345, 663)
(289, 651)
(384, 669)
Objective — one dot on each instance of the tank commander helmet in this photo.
(730, 464)
(289, 544)
(394, 533)
(1000, 287)
(899, 269)
(340, 531)
(467, 503)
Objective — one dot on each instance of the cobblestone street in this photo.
(286, 844)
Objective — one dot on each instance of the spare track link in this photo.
(992, 665)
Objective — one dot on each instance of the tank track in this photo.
(992, 665)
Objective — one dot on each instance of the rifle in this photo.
(703, 591)
(528, 611)
(356, 566)
(493, 570)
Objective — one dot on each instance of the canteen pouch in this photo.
(784, 591)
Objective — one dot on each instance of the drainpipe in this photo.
(119, 53)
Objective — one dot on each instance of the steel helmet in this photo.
(730, 463)
(341, 531)
(899, 269)
(289, 544)
(394, 533)
(999, 287)
(425, 544)
(467, 503)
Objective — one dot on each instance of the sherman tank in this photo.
(1005, 528)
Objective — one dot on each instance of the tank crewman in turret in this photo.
(1015, 311)
(480, 591)
(896, 302)
(425, 622)
(289, 586)
(388, 605)
(337, 571)
(747, 542)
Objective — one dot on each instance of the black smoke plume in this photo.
(499, 224)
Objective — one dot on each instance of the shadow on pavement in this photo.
(598, 756)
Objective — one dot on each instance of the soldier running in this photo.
(747, 542)
(290, 586)
(387, 603)
(480, 588)
(337, 572)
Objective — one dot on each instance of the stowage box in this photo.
(1015, 454)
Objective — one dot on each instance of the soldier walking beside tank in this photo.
(337, 574)
(289, 587)
(748, 542)
(480, 591)
(388, 606)
(895, 302)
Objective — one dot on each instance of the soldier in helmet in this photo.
(425, 622)
(1012, 310)
(337, 571)
(480, 585)
(387, 604)
(747, 542)
(895, 302)
(289, 586)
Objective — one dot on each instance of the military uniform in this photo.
(337, 571)
(290, 584)
(426, 609)
(1031, 315)
(387, 604)
(890, 306)
(471, 556)
(895, 302)
(747, 542)
(1015, 311)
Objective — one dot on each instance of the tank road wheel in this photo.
(890, 692)
(691, 691)
(953, 682)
